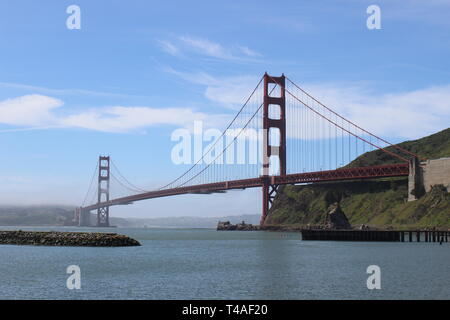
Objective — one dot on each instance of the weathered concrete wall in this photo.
(415, 179)
(436, 171)
(428, 174)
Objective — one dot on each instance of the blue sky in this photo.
(137, 70)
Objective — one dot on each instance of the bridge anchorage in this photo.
(299, 141)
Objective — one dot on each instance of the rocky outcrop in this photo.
(336, 218)
(53, 238)
(227, 226)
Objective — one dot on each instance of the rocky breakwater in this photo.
(227, 226)
(53, 238)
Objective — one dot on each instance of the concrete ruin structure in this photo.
(423, 175)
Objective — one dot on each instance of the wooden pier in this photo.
(375, 235)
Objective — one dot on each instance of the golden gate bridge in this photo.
(300, 140)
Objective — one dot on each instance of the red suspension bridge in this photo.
(299, 140)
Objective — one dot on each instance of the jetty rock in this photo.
(54, 238)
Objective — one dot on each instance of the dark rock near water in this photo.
(278, 228)
(227, 226)
(53, 238)
(336, 218)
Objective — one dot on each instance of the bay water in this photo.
(210, 264)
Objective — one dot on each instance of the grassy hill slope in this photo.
(431, 147)
(379, 203)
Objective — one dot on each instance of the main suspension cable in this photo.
(126, 180)
(90, 185)
(355, 125)
(342, 128)
(242, 129)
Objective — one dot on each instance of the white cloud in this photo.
(29, 110)
(403, 115)
(125, 119)
(37, 111)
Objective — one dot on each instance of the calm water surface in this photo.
(206, 264)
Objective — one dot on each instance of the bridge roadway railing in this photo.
(372, 172)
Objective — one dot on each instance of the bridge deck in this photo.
(391, 170)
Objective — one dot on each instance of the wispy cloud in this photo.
(53, 91)
(229, 92)
(169, 47)
(207, 48)
(408, 115)
(249, 52)
(403, 115)
(28, 129)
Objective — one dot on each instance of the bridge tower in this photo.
(274, 117)
(103, 191)
(82, 217)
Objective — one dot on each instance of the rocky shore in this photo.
(53, 238)
(335, 220)
(227, 226)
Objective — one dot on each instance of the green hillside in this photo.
(378, 203)
(36, 215)
(46, 215)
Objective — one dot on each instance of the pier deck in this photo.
(376, 235)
